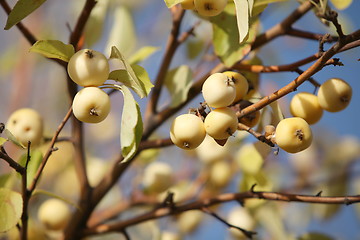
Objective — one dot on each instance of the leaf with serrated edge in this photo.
(171, 3)
(53, 49)
(178, 82)
(242, 18)
(131, 125)
(21, 10)
(131, 80)
(13, 139)
(11, 205)
(142, 54)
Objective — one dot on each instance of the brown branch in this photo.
(227, 197)
(317, 66)
(171, 47)
(26, 194)
(81, 22)
(12, 163)
(25, 32)
(309, 35)
(283, 27)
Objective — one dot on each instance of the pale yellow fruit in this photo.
(220, 174)
(210, 151)
(158, 177)
(306, 106)
(189, 220)
(187, 131)
(88, 68)
(293, 134)
(218, 90)
(91, 105)
(54, 214)
(221, 123)
(241, 84)
(240, 217)
(334, 95)
(170, 236)
(26, 124)
(188, 4)
(210, 8)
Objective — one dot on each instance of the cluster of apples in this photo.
(294, 134)
(220, 90)
(90, 69)
(207, 8)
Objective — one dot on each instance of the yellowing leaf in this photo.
(249, 159)
(171, 3)
(276, 114)
(142, 54)
(128, 77)
(178, 81)
(143, 77)
(11, 205)
(21, 10)
(242, 18)
(53, 49)
(131, 125)
(341, 4)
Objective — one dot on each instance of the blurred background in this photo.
(29, 80)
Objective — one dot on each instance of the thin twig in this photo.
(247, 233)
(26, 194)
(49, 151)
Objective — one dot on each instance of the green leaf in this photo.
(171, 3)
(128, 76)
(226, 37)
(95, 24)
(53, 49)
(131, 125)
(315, 236)
(21, 10)
(249, 159)
(144, 78)
(13, 139)
(33, 165)
(4, 179)
(259, 3)
(341, 4)
(178, 81)
(11, 205)
(2, 141)
(142, 54)
(122, 34)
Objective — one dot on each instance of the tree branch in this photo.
(227, 197)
